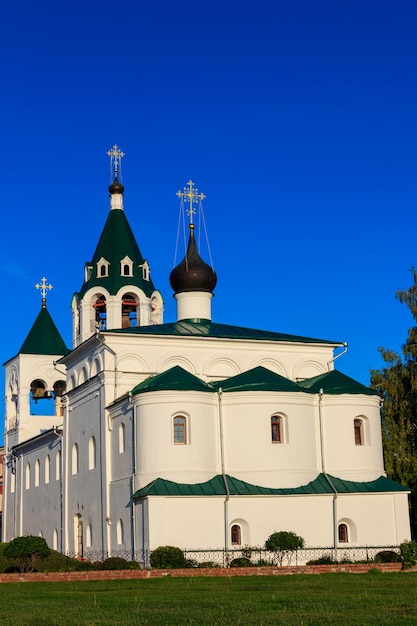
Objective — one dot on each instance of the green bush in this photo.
(408, 551)
(326, 559)
(242, 561)
(26, 552)
(207, 564)
(387, 556)
(284, 543)
(117, 563)
(167, 557)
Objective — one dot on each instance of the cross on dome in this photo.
(116, 156)
(191, 196)
(44, 288)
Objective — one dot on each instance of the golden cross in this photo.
(116, 156)
(44, 289)
(191, 195)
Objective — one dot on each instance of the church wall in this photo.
(250, 453)
(343, 457)
(158, 455)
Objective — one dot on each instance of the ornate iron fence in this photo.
(256, 556)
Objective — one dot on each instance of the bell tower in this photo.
(118, 291)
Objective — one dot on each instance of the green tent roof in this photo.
(206, 328)
(216, 487)
(335, 382)
(117, 241)
(44, 337)
(175, 378)
(257, 379)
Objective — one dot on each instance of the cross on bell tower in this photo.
(44, 288)
(116, 156)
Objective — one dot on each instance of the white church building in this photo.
(190, 433)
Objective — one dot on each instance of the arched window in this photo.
(120, 532)
(121, 438)
(180, 429)
(276, 429)
(27, 475)
(12, 482)
(102, 268)
(74, 465)
(55, 540)
(88, 536)
(58, 465)
(343, 533)
(92, 453)
(126, 267)
(236, 535)
(130, 309)
(359, 432)
(47, 468)
(37, 472)
(59, 391)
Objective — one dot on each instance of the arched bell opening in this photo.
(130, 311)
(39, 394)
(100, 307)
(59, 391)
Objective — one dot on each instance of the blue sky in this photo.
(297, 119)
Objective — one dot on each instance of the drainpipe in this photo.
(134, 469)
(60, 488)
(226, 485)
(345, 349)
(327, 477)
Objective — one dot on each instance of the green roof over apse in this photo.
(335, 382)
(216, 487)
(257, 379)
(116, 242)
(44, 337)
(206, 328)
(176, 378)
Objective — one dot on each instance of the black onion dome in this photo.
(116, 187)
(192, 274)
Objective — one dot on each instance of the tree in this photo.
(397, 383)
(25, 551)
(284, 544)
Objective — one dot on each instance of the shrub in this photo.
(26, 551)
(242, 561)
(326, 559)
(207, 564)
(167, 557)
(408, 553)
(284, 543)
(387, 556)
(116, 562)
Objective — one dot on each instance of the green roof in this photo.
(116, 242)
(257, 379)
(206, 328)
(335, 382)
(175, 378)
(44, 337)
(216, 487)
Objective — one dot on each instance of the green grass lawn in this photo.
(340, 599)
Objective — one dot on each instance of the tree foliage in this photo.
(26, 551)
(397, 383)
(167, 557)
(284, 543)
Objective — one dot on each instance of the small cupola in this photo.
(193, 280)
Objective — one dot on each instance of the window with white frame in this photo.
(180, 429)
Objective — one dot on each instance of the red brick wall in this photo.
(354, 568)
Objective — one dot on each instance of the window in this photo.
(102, 268)
(58, 465)
(236, 535)
(74, 466)
(126, 267)
(121, 438)
(47, 468)
(146, 270)
(28, 476)
(88, 536)
(120, 532)
(343, 533)
(91, 453)
(276, 429)
(37, 472)
(130, 311)
(180, 429)
(358, 428)
(55, 540)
